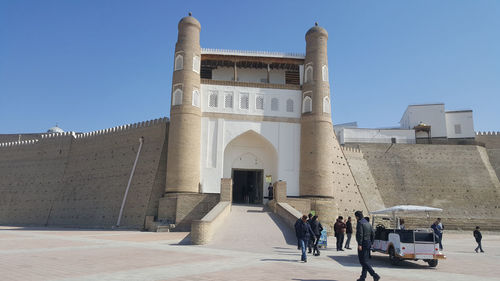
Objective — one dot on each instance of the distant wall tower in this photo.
(183, 160)
(317, 140)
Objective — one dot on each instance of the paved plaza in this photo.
(251, 245)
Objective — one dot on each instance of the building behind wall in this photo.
(420, 123)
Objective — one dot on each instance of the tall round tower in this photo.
(183, 160)
(316, 137)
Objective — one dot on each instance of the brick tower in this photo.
(317, 148)
(183, 160)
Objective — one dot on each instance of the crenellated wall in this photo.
(458, 178)
(71, 179)
(491, 141)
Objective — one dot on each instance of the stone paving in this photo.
(251, 245)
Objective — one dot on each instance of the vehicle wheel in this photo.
(433, 263)
(392, 257)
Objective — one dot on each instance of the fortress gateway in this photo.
(253, 117)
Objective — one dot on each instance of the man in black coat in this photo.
(348, 231)
(304, 233)
(316, 228)
(364, 237)
(479, 237)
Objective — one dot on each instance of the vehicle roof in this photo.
(406, 209)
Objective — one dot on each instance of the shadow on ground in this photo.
(285, 229)
(379, 261)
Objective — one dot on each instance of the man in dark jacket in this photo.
(316, 228)
(339, 228)
(364, 237)
(304, 233)
(348, 231)
(479, 237)
(299, 220)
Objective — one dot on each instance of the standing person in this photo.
(304, 233)
(296, 226)
(440, 228)
(364, 237)
(311, 240)
(316, 228)
(339, 228)
(402, 224)
(348, 231)
(270, 192)
(479, 237)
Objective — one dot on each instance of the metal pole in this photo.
(141, 141)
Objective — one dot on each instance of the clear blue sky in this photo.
(94, 64)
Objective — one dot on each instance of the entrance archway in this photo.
(248, 160)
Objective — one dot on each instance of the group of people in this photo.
(308, 230)
(343, 228)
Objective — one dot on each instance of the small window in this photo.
(228, 100)
(196, 64)
(263, 80)
(177, 100)
(212, 99)
(326, 105)
(307, 104)
(325, 73)
(289, 105)
(243, 101)
(196, 98)
(179, 62)
(309, 74)
(259, 102)
(275, 104)
(458, 129)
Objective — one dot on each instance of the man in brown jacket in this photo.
(339, 228)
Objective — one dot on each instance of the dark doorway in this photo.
(247, 186)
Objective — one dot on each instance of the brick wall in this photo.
(79, 179)
(457, 178)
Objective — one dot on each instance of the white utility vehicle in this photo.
(403, 244)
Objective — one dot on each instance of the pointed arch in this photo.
(307, 104)
(179, 62)
(326, 105)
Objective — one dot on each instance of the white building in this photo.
(253, 123)
(443, 124)
(421, 123)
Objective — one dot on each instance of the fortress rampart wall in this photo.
(457, 178)
(491, 140)
(79, 180)
(364, 178)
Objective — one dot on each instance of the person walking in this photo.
(348, 231)
(364, 237)
(316, 228)
(479, 237)
(304, 233)
(296, 227)
(311, 240)
(339, 228)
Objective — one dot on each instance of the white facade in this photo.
(222, 94)
(430, 114)
(354, 135)
(459, 124)
(444, 124)
(236, 135)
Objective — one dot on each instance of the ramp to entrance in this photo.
(253, 228)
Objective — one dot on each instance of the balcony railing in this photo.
(250, 84)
